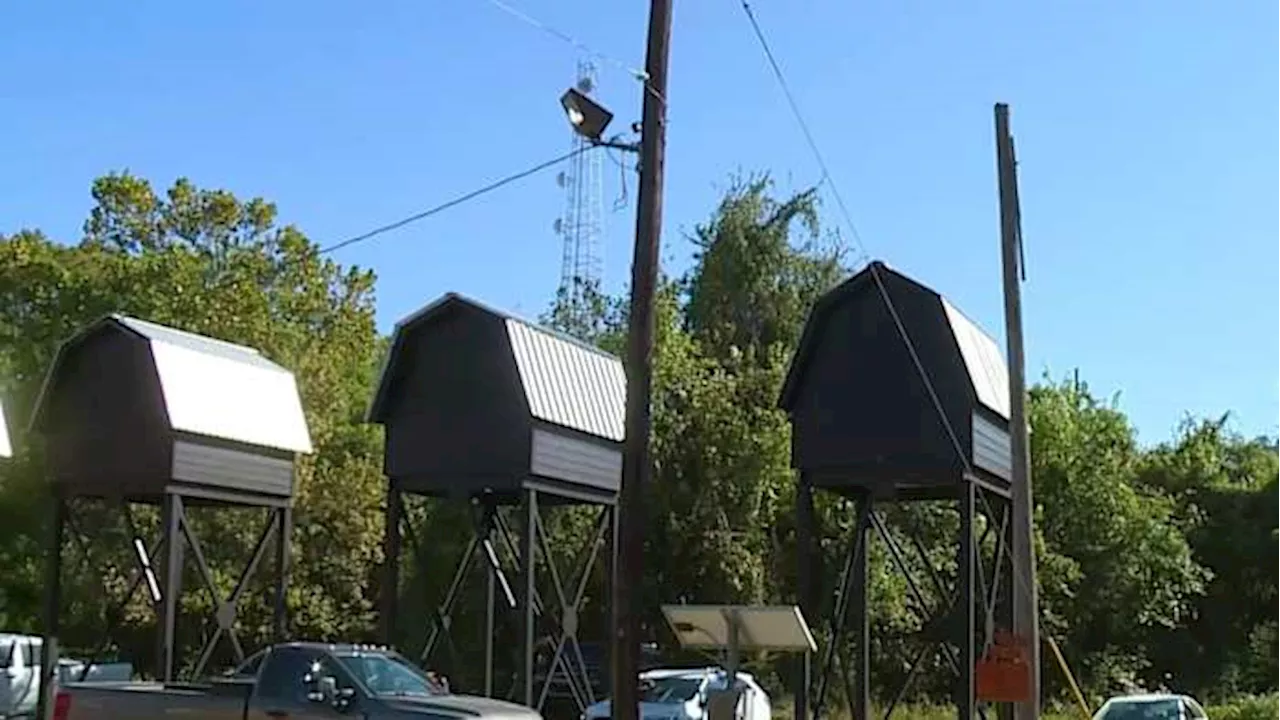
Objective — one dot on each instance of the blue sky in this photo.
(1146, 132)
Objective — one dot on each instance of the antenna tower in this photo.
(582, 224)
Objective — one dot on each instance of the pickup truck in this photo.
(300, 681)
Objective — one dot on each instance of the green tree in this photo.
(207, 262)
(1131, 573)
(760, 263)
(1224, 490)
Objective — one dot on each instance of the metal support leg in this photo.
(862, 663)
(807, 593)
(846, 594)
(612, 569)
(1003, 590)
(490, 598)
(52, 602)
(284, 530)
(171, 579)
(528, 590)
(965, 699)
(391, 540)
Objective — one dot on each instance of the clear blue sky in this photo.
(1146, 130)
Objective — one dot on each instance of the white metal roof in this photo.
(569, 384)
(224, 390)
(983, 359)
(6, 448)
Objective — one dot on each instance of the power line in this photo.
(454, 202)
(565, 37)
(528, 19)
(804, 128)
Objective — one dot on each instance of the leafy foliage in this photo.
(1156, 566)
(209, 263)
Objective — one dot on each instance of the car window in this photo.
(31, 653)
(1194, 711)
(1162, 709)
(249, 668)
(287, 675)
(6, 654)
(388, 675)
(283, 677)
(669, 689)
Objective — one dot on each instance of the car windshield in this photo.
(669, 689)
(1162, 709)
(389, 675)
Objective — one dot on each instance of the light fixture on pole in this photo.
(590, 119)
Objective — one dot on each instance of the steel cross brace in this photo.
(488, 522)
(165, 601)
(115, 612)
(854, 561)
(569, 608)
(935, 633)
(564, 629)
(225, 611)
(442, 620)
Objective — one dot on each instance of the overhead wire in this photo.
(567, 38)
(826, 177)
(1025, 584)
(368, 235)
(581, 47)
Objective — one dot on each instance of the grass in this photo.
(1248, 707)
(1255, 707)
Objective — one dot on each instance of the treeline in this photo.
(1157, 565)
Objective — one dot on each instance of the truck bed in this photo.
(129, 700)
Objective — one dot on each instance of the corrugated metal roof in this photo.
(224, 390)
(6, 448)
(983, 359)
(568, 383)
(202, 344)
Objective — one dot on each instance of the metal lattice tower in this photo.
(581, 227)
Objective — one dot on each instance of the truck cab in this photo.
(300, 681)
(308, 681)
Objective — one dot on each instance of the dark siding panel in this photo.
(224, 467)
(561, 456)
(459, 411)
(108, 432)
(862, 402)
(992, 448)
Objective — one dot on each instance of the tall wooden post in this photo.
(636, 464)
(1025, 606)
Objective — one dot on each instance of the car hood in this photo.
(648, 711)
(462, 706)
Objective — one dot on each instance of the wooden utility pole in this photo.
(1025, 606)
(636, 465)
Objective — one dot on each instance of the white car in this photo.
(681, 694)
(1156, 706)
